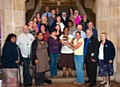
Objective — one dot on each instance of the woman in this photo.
(78, 47)
(45, 21)
(45, 33)
(70, 12)
(64, 18)
(40, 58)
(66, 57)
(77, 17)
(58, 21)
(35, 24)
(58, 28)
(38, 15)
(11, 58)
(54, 49)
(84, 22)
(71, 27)
(31, 29)
(106, 58)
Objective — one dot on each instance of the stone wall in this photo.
(90, 4)
(108, 15)
(12, 14)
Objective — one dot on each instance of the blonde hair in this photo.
(43, 21)
(104, 33)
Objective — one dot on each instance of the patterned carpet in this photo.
(113, 84)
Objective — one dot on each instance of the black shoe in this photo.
(88, 81)
(92, 85)
(27, 85)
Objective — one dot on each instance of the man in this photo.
(24, 42)
(91, 54)
(71, 27)
(79, 28)
(47, 13)
(91, 27)
(57, 12)
(51, 19)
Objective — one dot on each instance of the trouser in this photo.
(26, 75)
(91, 69)
(53, 63)
(79, 60)
(39, 78)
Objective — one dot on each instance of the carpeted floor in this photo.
(113, 84)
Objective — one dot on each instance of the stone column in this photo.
(117, 77)
(13, 17)
(107, 21)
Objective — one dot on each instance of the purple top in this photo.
(54, 45)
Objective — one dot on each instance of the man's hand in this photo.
(93, 60)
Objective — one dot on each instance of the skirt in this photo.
(10, 77)
(105, 70)
(67, 60)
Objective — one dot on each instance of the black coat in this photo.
(92, 48)
(10, 55)
(108, 51)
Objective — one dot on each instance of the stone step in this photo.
(60, 79)
(72, 79)
(60, 73)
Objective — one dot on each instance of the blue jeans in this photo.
(53, 63)
(26, 75)
(79, 60)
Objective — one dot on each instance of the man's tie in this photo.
(47, 16)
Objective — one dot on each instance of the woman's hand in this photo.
(36, 61)
(48, 58)
(110, 61)
(17, 61)
(22, 63)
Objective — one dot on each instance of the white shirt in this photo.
(24, 42)
(101, 54)
(66, 49)
(61, 25)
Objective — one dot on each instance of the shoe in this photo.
(79, 83)
(92, 85)
(70, 75)
(64, 76)
(88, 81)
(75, 82)
(27, 85)
(54, 77)
(103, 83)
(107, 85)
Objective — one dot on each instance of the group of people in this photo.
(54, 38)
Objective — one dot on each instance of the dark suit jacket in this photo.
(92, 48)
(95, 34)
(65, 21)
(51, 20)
